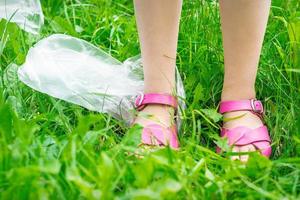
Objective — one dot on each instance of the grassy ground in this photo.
(50, 149)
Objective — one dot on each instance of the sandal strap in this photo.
(243, 136)
(242, 105)
(155, 134)
(155, 98)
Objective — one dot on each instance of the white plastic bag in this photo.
(78, 72)
(26, 13)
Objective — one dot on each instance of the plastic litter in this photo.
(27, 14)
(76, 71)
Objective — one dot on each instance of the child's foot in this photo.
(244, 128)
(156, 116)
(242, 118)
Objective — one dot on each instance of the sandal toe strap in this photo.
(154, 134)
(243, 136)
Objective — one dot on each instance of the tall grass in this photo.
(50, 149)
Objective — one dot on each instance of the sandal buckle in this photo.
(139, 100)
(257, 106)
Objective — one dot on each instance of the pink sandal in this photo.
(155, 134)
(240, 136)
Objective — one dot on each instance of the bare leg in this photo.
(158, 24)
(243, 26)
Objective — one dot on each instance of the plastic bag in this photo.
(76, 71)
(26, 13)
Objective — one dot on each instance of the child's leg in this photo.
(158, 24)
(243, 26)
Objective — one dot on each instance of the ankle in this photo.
(236, 92)
(159, 90)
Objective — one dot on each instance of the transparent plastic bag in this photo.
(76, 71)
(27, 14)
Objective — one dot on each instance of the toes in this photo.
(247, 148)
(244, 157)
(252, 148)
(235, 150)
(242, 149)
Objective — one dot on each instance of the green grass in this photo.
(50, 149)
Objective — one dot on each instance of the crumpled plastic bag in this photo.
(76, 71)
(27, 14)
